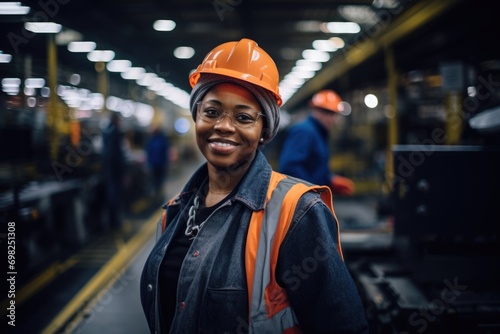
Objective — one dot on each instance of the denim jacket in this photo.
(212, 289)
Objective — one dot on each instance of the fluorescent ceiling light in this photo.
(11, 82)
(338, 42)
(324, 45)
(101, 55)
(300, 73)
(316, 55)
(5, 58)
(146, 79)
(359, 14)
(164, 25)
(293, 81)
(118, 65)
(34, 83)
(159, 84)
(81, 46)
(133, 73)
(184, 52)
(13, 8)
(341, 27)
(308, 65)
(67, 36)
(43, 27)
(385, 3)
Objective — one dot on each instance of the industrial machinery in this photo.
(443, 274)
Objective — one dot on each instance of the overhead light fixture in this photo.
(147, 79)
(81, 46)
(34, 83)
(359, 14)
(75, 79)
(5, 58)
(133, 73)
(338, 42)
(43, 27)
(13, 8)
(301, 73)
(324, 45)
(164, 25)
(45, 91)
(11, 82)
(371, 101)
(118, 65)
(67, 36)
(159, 84)
(308, 64)
(11, 85)
(341, 27)
(293, 81)
(316, 55)
(184, 52)
(385, 3)
(101, 55)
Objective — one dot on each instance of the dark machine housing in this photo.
(444, 272)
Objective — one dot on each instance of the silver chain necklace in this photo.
(192, 229)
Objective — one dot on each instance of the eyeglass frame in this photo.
(231, 117)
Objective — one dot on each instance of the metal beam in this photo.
(418, 15)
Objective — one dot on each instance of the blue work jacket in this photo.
(212, 289)
(305, 153)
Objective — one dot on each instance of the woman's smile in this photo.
(219, 146)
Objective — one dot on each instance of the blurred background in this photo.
(420, 138)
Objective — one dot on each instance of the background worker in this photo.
(114, 169)
(157, 150)
(306, 154)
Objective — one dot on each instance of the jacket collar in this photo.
(252, 190)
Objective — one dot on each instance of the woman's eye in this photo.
(244, 118)
(211, 112)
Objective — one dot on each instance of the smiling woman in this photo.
(226, 258)
(229, 142)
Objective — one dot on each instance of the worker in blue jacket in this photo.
(306, 154)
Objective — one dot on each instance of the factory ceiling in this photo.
(284, 28)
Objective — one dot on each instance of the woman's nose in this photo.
(224, 121)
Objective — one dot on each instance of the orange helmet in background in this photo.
(328, 100)
(243, 60)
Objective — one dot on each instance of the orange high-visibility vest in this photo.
(269, 309)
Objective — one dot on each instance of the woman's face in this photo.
(224, 144)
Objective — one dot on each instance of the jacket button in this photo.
(182, 305)
(150, 287)
(196, 253)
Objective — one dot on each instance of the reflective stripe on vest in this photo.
(269, 309)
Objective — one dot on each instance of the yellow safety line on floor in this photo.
(103, 276)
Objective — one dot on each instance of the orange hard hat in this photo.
(327, 99)
(243, 60)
